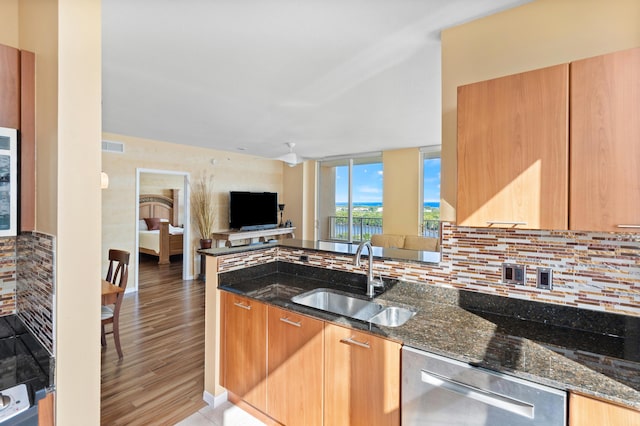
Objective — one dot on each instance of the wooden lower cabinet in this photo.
(244, 349)
(295, 368)
(585, 411)
(45, 411)
(362, 378)
(303, 371)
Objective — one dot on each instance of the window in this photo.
(350, 198)
(431, 191)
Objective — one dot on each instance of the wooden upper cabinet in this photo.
(27, 141)
(585, 411)
(295, 368)
(9, 87)
(362, 378)
(605, 143)
(244, 349)
(513, 151)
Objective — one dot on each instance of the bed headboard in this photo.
(154, 205)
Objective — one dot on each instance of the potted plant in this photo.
(203, 208)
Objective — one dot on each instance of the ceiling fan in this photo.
(291, 158)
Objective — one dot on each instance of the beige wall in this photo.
(299, 189)
(39, 34)
(401, 193)
(326, 200)
(65, 37)
(78, 219)
(535, 35)
(10, 18)
(293, 183)
(231, 172)
(309, 203)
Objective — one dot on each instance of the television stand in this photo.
(227, 238)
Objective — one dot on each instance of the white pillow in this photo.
(142, 225)
(175, 229)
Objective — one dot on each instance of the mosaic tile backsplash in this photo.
(27, 282)
(7, 276)
(36, 285)
(596, 271)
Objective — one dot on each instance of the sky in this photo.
(367, 182)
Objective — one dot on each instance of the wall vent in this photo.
(111, 146)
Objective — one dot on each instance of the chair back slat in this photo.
(118, 272)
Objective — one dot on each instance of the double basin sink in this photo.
(344, 304)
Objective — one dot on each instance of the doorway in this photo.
(155, 182)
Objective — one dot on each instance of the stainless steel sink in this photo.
(393, 316)
(341, 303)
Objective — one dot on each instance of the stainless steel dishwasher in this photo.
(438, 391)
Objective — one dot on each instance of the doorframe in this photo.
(186, 240)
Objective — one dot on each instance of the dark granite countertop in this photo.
(567, 348)
(22, 358)
(331, 247)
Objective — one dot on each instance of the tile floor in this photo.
(226, 414)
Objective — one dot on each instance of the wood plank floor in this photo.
(161, 378)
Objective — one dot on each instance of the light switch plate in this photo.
(513, 273)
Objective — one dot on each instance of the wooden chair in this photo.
(117, 274)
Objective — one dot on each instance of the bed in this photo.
(159, 233)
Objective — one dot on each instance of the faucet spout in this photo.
(371, 281)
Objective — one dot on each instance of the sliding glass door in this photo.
(350, 198)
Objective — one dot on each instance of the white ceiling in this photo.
(334, 76)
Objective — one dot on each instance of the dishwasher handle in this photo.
(480, 395)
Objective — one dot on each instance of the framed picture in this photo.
(8, 182)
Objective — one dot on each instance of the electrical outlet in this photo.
(514, 274)
(507, 273)
(545, 278)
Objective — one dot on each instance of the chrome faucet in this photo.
(371, 282)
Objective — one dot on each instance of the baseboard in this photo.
(213, 400)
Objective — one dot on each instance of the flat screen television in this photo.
(253, 210)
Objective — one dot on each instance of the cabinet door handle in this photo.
(288, 321)
(629, 226)
(242, 305)
(502, 222)
(352, 341)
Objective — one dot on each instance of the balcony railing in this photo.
(431, 228)
(364, 227)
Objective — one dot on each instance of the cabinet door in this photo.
(362, 378)
(9, 87)
(244, 349)
(584, 411)
(513, 151)
(294, 379)
(45, 411)
(605, 143)
(27, 141)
